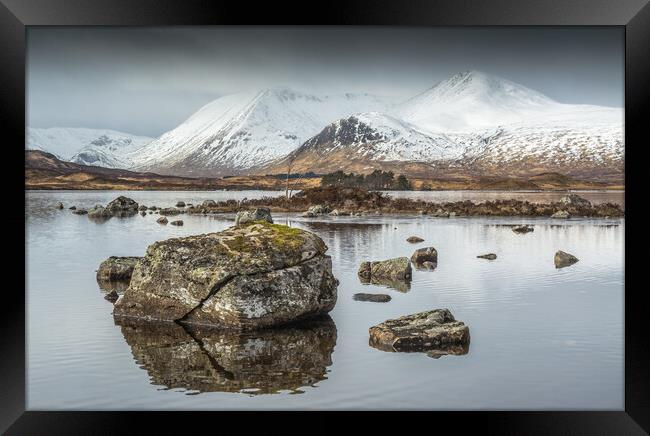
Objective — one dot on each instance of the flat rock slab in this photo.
(245, 277)
(414, 239)
(375, 298)
(563, 259)
(435, 330)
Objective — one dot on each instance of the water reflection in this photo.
(258, 362)
(399, 285)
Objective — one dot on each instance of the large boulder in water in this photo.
(244, 277)
(122, 206)
(434, 331)
(249, 216)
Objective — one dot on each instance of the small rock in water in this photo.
(112, 296)
(169, 211)
(435, 330)
(153, 207)
(375, 298)
(423, 212)
(122, 207)
(319, 209)
(209, 203)
(397, 269)
(116, 268)
(561, 214)
(80, 211)
(414, 239)
(428, 254)
(59, 205)
(523, 229)
(150, 212)
(177, 223)
(337, 212)
(143, 213)
(162, 220)
(489, 256)
(142, 207)
(249, 216)
(73, 208)
(563, 259)
(180, 204)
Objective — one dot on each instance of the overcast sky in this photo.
(148, 80)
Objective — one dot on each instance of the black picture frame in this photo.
(634, 15)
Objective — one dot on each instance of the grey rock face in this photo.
(122, 206)
(435, 330)
(422, 255)
(414, 239)
(563, 259)
(375, 298)
(249, 216)
(489, 256)
(245, 277)
(117, 268)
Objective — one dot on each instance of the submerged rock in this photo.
(561, 214)
(72, 207)
(162, 220)
(523, 229)
(396, 269)
(375, 298)
(422, 255)
(244, 277)
(122, 206)
(249, 216)
(117, 268)
(575, 200)
(79, 211)
(489, 256)
(177, 223)
(285, 358)
(435, 330)
(563, 259)
(414, 239)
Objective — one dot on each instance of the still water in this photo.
(541, 338)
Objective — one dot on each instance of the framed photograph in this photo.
(380, 207)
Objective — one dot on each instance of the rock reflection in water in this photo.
(398, 285)
(257, 362)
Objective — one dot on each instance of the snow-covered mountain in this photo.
(236, 133)
(107, 148)
(476, 122)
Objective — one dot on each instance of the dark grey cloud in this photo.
(148, 80)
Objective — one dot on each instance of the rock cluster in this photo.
(249, 216)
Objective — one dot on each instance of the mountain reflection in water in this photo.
(207, 360)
